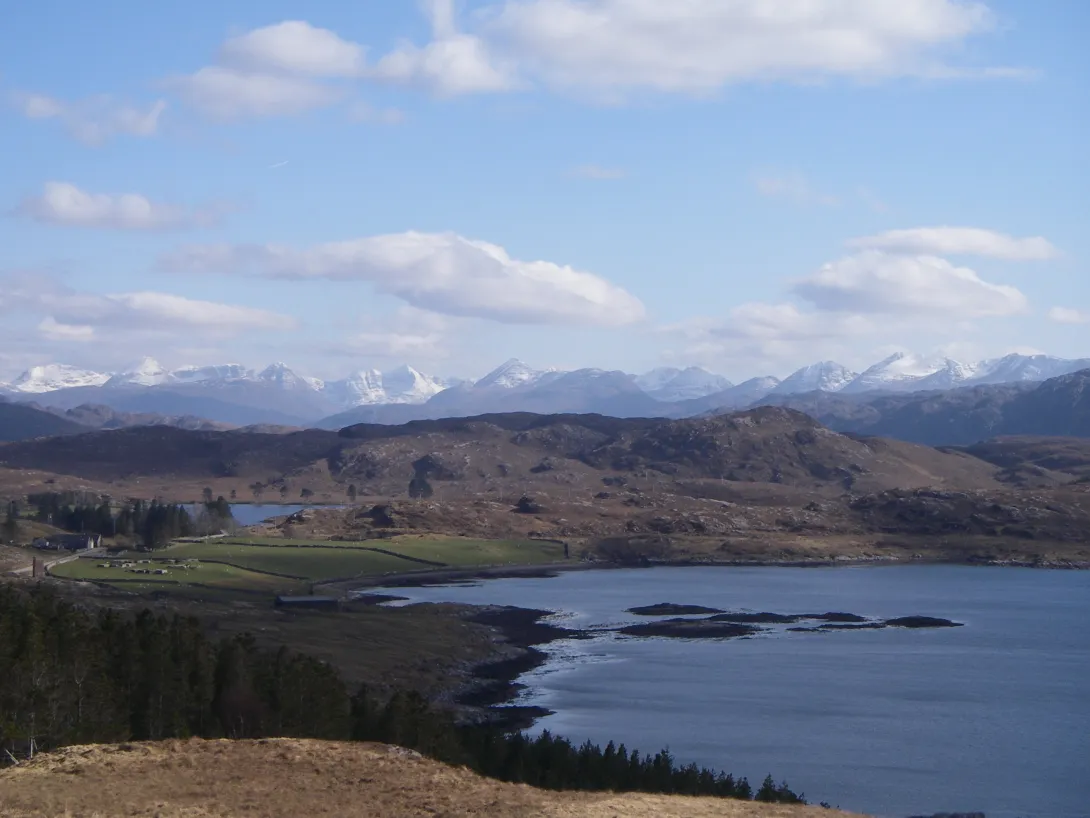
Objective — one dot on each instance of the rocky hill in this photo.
(767, 445)
(957, 417)
(19, 422)
(293, 777)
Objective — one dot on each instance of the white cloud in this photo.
(758, 336)
(599, 173)
(396, 345)
(792, 187)
(226, 93)
(65, 204)
(875, 282)
(95, 120)
(68, 314)
(452, 63)
(968, 241)
(165, 309)
(294, 46)
(442, 272)
(52, 331)
(699, 46)
(1067, 315)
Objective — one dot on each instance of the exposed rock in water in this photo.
(763, 618)
(835, 616)
(690, 629)
(922, 622)
(672, 609)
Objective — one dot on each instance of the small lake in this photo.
(993, 716)
(254, 513)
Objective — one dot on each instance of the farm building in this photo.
(68, 542)
(325, 603)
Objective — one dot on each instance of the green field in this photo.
(213, 575)
(279, 565)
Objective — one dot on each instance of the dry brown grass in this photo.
(289, 777)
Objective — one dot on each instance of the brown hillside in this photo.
(513, 453)
(291, 778)
(1059, 457)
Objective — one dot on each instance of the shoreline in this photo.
(491, 685)
(443, 576)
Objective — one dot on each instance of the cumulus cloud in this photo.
(227, 93)
(441, 272)
(1067, 315)
(793, 187)
(68, 314)
(452, 63)
(94, 120)
(960, 241)
(53, 331)
(62, 203)
(294, 46)
(876, 282)
(618, 46)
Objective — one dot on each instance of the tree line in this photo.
(155, 523)
(76, 676)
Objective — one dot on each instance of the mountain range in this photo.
(236, 395)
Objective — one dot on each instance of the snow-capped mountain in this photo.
(511, 375)
(900, 372)
(236, 394)
(282, 377)
(1021, 368)
(218, 372)
(372, 387)
(670, 384)
(826, 376)
(952, 374)
(147, 372)
(52, 377)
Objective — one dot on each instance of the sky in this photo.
(745, 185)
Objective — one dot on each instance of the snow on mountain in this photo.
(826, 376)
(363, 388)
(668, 384)
(512, 374)
(1020, 368)
(407, 385)
(657, 379)
(372, 387)
(51, 377)
(952, 374)
(902, 372)
(281, 376)
(148, 372)
(219, 372)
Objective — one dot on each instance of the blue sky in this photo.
(748, 185)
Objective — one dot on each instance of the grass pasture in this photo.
(313, 563)
(211, 575)
(273, 565)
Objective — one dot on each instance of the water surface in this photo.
(993, 716)
(253, 513)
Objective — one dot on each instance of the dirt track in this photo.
(289, 777)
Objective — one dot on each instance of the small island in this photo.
(673, 609)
